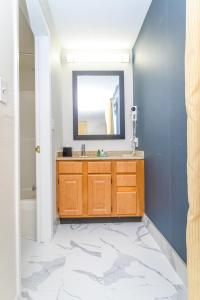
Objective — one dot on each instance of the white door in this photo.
(43, 122)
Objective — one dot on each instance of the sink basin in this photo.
(92, 156)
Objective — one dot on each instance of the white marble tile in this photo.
(174, 259)
(99, 261)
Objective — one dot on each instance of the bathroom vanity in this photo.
(91, 186)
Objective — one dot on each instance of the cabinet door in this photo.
(70, 195)
(99, 195)
(127, 203)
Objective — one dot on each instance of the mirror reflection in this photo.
(99, 105)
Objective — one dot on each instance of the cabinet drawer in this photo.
(70, 167)
(99, 167)
(126, 167)
(126, 203)
(126, 180)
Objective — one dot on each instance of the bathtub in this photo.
(28, 214)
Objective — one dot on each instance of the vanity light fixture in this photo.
(96, 57)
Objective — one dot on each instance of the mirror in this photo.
(98, 105)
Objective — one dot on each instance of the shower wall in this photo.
(27, 110)
(27, 153)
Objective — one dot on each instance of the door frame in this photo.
(43, 121)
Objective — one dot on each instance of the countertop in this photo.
(111, 155)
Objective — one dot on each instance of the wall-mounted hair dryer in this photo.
(134, 113)
(134, 140)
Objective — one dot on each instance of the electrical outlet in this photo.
(3, 91)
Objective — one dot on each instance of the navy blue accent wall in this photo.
(159, 86)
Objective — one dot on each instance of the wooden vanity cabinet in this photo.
(100, 188)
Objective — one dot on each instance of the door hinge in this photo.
(37, 149)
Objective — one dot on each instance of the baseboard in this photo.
(55, 225)
(99, 220)
(175, 260)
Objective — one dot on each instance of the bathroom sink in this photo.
(93, 156)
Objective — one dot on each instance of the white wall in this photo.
(68, 107)
(8, 162)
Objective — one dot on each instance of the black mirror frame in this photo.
(76, 136)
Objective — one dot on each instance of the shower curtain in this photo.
(192, 76)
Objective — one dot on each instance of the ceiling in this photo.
(98, 24)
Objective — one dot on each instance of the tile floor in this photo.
(112, 261)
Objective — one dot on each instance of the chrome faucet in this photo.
(83, 152)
